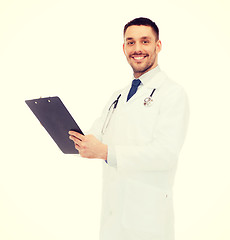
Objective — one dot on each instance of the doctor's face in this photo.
(141, 49)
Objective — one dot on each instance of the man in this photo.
(139, 135)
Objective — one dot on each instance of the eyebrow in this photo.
(144, 37)
(129, 38)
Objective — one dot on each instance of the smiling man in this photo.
(139, 136)
(141, 48)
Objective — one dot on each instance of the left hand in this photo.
(89, 146)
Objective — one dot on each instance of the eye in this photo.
(146, 41)
(130, 43)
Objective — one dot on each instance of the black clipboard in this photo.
(56, 119)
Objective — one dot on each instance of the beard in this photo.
(143, 69)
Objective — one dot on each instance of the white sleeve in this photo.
(162, 152)
(111, 159)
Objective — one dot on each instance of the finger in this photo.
(76, 134)
(75, 144)
(77, 147)
(75, 140)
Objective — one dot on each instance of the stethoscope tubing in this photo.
(147, 102)
(109, 114)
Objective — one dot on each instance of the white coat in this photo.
(137, 193)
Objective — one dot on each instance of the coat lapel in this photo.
(146, 89)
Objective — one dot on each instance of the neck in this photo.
(138, 74)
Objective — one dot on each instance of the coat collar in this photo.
(150, 80)
(153, 79)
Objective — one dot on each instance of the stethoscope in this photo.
(147, 102)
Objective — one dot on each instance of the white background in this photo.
(74, 50)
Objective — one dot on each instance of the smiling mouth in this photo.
(138, 58)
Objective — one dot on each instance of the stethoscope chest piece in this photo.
(148, 101)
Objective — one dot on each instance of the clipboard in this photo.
(56, 119)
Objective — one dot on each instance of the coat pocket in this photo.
(147, 208)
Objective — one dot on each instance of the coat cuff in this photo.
(111, 158)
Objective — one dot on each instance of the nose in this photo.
(138, 47)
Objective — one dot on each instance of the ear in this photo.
(158, 46)
(124, 48)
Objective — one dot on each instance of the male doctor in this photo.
(139, 136)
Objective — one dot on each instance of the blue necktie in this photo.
(133, 89)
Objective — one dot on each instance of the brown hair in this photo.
(145, 22)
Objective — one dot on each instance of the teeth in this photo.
(138, 58)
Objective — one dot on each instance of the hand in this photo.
(89, 146)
